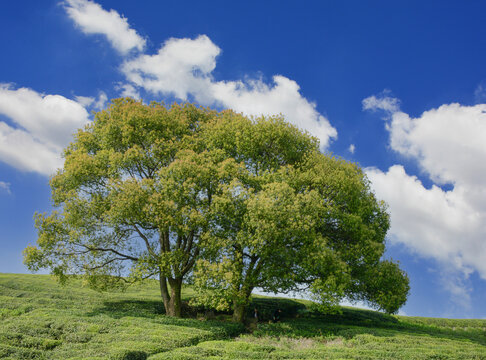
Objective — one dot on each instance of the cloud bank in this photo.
(448, 145)
(37, 128)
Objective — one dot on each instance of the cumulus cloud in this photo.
(450, 226)
(4, 187)
(432, 222)
(91, 18)
(351, 148)
(448, 142)
(183, 68)
(39, 127)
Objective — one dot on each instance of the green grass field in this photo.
(41, 320)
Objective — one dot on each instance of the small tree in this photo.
(294, 219)
(134, 198)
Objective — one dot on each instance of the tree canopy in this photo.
(238, 203)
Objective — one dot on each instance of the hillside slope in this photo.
(41, 320)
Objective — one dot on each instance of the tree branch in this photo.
(147, 243)
(190, 239)
(167, 241)
(128, 257)
(190, 263)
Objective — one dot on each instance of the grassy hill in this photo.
(41, 320)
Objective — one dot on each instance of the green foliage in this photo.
(213, 291)
(385, 287)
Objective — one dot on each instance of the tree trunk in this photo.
(175, 297)
(239, 311)
(166, 298)
(240, 303)
(172, 301)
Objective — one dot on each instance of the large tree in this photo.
(238, 203)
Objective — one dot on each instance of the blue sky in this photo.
(398, 86)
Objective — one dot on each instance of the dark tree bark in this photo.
(171, 295)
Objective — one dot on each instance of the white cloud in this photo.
(448, 142)
(21, 150)
(93, 19)
(5, 187)
(92, 102)
(382, 102)
(352, 148)
(86, 101)
(183, 67)
(40, 127)
(101, 101)
(127, 90)
(432, 222)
